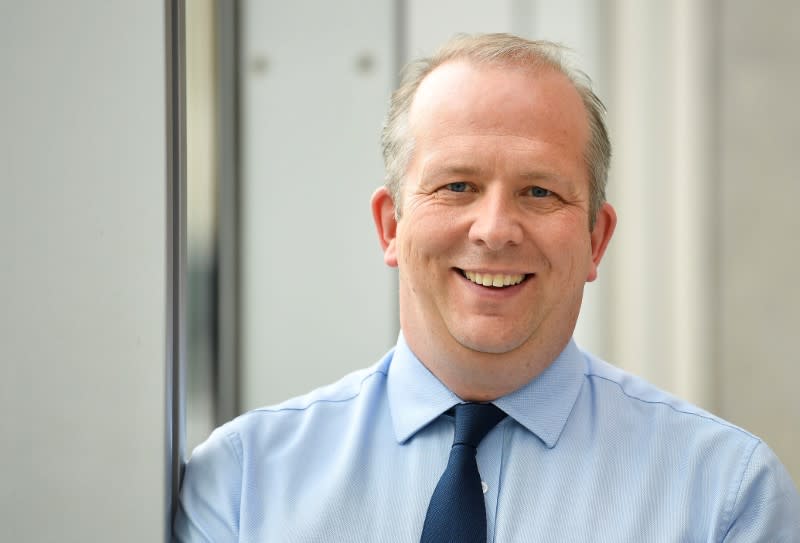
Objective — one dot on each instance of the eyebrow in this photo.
(534, 175)
(477, 171)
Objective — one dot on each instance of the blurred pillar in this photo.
(661, 178)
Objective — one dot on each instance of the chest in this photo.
(371, 488)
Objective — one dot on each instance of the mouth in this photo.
(494, 280)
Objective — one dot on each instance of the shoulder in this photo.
(679, 437)
(226, 471)
(330, 405)
(612, 384)
(718, 462)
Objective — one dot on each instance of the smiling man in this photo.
(486, 422)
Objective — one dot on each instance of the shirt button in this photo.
(484, 487)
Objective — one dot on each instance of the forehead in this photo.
(464, 97)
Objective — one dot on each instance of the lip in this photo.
(494, 272)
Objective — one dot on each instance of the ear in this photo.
(383, 213)
(600, 236)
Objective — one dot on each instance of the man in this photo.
(494, 214)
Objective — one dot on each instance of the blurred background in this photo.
(283, 107)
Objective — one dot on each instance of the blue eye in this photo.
(539, 192)
(457, 187)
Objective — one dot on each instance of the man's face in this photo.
(493, 244)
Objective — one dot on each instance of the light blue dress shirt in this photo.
(588, 453)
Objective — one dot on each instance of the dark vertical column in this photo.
(227, 403)
(176, 252)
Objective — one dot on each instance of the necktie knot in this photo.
(474, 421)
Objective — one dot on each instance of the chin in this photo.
(489, 344)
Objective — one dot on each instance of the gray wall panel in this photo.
(82, 232)
(759, 253)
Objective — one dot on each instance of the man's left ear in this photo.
(383, 213)
(604, 226)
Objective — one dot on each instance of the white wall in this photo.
(315, 81)
(82, 279)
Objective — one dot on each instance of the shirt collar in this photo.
(417, 397)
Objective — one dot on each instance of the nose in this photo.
(496, 223)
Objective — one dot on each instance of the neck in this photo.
(478, 376)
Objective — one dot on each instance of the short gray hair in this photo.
(497, 49)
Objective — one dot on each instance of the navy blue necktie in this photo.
(457, 513)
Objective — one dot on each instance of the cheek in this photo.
(423, 260)
(416, 273)
(582, 262)
(570, 251)
(411, 254)
(418, 262)
(426, 237)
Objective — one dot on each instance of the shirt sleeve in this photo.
(767, 506)
(210, 497)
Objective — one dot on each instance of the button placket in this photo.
(490, 459)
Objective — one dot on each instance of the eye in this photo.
(458, 186)
(539, 192)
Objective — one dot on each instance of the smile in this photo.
(497, 280)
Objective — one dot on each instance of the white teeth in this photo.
(494, 280)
